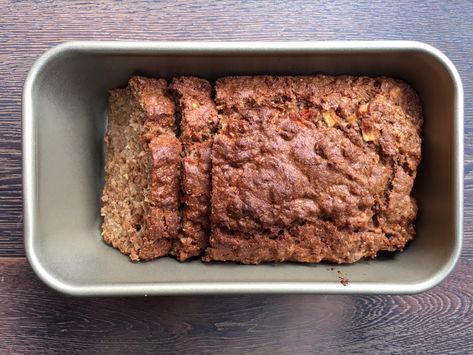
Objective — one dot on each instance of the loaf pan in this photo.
(64, 118)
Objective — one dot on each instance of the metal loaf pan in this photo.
(64, 117)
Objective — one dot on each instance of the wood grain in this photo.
(36, 319)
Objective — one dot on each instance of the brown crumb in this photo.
(343, 280)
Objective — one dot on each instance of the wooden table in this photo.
(34, 318)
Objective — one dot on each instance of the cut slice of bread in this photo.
(142, 170)
(198, 122)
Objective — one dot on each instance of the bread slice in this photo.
(142, 170)
(313, 168)
(198, 123)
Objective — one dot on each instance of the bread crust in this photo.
(313, 168)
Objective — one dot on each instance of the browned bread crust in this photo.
(313, 168)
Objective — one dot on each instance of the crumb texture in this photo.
(142, 170)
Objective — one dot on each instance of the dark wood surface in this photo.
(35, 319)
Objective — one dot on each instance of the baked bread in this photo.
(313, 168)
(142, 170)
(303, 169)
(198, 122)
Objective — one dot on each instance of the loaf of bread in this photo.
(313, 168)
(288, 168)
(142, 170)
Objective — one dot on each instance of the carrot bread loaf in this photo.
(313, 168)
(142, 170)
(301, 169)
(198, 122)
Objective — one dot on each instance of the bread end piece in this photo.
(142, 170)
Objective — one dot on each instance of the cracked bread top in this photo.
(294, 150)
